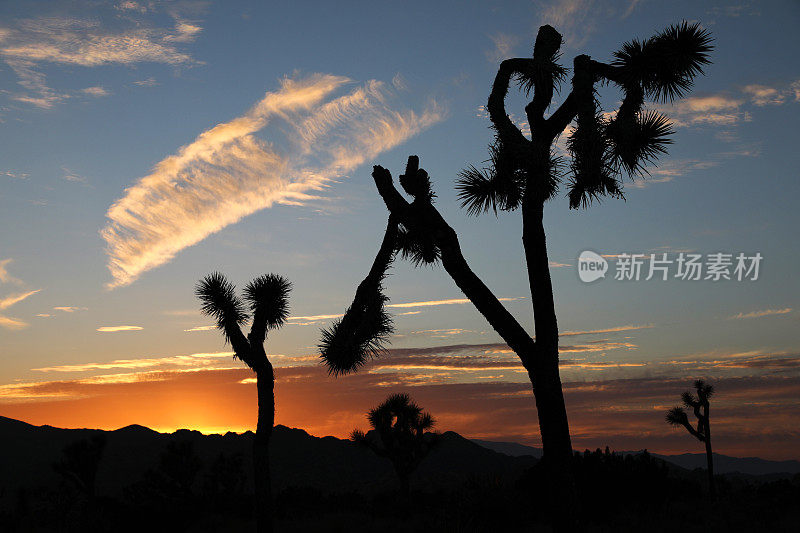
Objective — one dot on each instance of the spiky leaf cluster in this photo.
(397, 417)
(360, 335)
(639, 140)
(417, 246)
(677, 417)
(592, 166)
(704, 390)
(544, 70)
(666, 64)
(501, 184)
(219, 301)
(268, 298)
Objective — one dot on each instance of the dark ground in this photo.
(186, 481)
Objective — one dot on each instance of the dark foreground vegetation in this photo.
(136, 479)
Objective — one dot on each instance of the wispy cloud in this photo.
(12, 323)
(452, 301)
(70, 308)
(8, 301)
(148, 82)
(5, 277)
(73, 177)
(716, 109)
(200, 328)
(195, 360)
(228, 172)
(314, 317)
(96, 91)
(503, 44)
(726, 109)
(671, 169)
(114, 329)
(615, 329)
(28, 45)
(442, 333)
(15, 175)
(765, 312)
(762, 95)
(577, 20)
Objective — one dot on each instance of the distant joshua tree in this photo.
(699, 404)
(398, 433)
(523, 174)
(267, 298)
(79, 463)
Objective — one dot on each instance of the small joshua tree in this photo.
(79, 463)
(267, 299)
(699, 404)
(398, 433)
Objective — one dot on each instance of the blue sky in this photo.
(146, 144)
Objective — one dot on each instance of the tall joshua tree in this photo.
(266, 299)
(398, 433)
(523, 174)
(699, 405)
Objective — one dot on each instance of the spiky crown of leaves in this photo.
(601, 147)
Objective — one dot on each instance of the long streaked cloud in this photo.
(765, 312)
(316, 319)
(200, 328)
(192, 360)
(114, 329)
(451, 301)
(70, 308)
(615, 329)
(228, 172)
(6, 302)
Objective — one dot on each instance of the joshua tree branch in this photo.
(385, 252)
(240, 345)
(428, 219)
(496, 106)
(694, 432)
(586, 74)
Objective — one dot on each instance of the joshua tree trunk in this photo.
(712, 488)
(266, 419)
(543, 371)
(405, 492)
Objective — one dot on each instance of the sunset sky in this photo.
(146, 144)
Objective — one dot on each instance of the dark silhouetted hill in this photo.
(297, 458)
(723, 464)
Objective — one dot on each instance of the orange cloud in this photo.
(114, 329)
(228, 172)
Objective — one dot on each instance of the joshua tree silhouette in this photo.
(267, 300)
(523, 174)
(677, 417)
(79, 463)
(398, 433)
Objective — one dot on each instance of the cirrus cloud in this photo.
(114, 329)
(228, 172)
